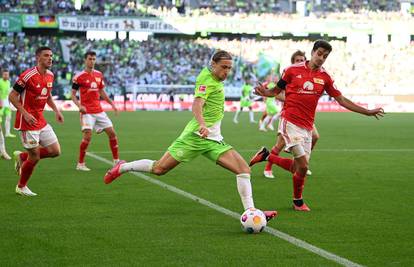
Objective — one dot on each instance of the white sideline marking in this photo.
(293, 240)
(255, 150)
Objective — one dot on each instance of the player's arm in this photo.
(348, 104)
(262, 90)
(52, 105)
(14, 99)
(281, 96)
(197, 109)
(75, 88)
(107, 99)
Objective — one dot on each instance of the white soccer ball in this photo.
(253, 221)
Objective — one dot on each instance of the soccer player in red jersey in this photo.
(90, 84)
(296, 58)
(30, 94)
(304, 84)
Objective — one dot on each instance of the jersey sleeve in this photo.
(20, 84)
(331, 88)
(286, 78)
(75, 82)
(102, 83)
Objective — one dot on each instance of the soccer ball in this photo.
(253, 221)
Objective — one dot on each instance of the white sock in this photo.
(142, 165)
(236, 116)
(251, 115)
(267, 120)
(7, 125)
(2, 145)
(245, 190)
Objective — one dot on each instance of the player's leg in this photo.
(299, 176)
(236, 115)
(159, 167)
(315, 136)
(251, 114)
(113, 143)
(7, 123)
(280, 144)
(103, 122)
(30, 140)
(232, 161)
(86, 140)
(181, 150)
(87, 122)
(3, 152)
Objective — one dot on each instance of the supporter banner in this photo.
(39, 21)
(95, 23)
(10, 23)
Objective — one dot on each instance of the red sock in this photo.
(113, 143)
(275, 151)
(82, 150)
(44, 153)
(23, 156)
(27, 169)
(298, 184)
(285, 163)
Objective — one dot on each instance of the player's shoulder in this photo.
(50, 73)
(326, 73)
(78, 74)
(297, 66)
(97, 73)
(27, 74)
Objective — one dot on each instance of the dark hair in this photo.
(89, 53)
(42, 48)
(4, 70)
(221, 55)
(321, 44)
(296, 54)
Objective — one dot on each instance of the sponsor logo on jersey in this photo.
(319, 81)
(94, 85)
(202, 88)
(308, 86)
(44, 91)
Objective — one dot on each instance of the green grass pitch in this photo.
(360, 193)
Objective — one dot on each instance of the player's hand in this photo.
(82, 109)
(203, 131)
(115, 110)
(261, 90)
(59, 117)
(29, 118)
(377, 113)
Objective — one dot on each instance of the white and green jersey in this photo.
(212, 91)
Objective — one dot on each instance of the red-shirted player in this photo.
(304, 84)
(30, 94)
(90, 84)
(297, 57)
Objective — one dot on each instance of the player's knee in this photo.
(55, 153)
(158, 170)
(302, 168)
(315, 137)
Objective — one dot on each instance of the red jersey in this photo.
(89, 86)
(303, 88)
(34, 89)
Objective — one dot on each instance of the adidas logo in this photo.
(299, 76)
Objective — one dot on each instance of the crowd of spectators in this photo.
(359, 69)
(319, 8)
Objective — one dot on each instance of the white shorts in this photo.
(97, 122)
(43, 137)
(296, 136)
